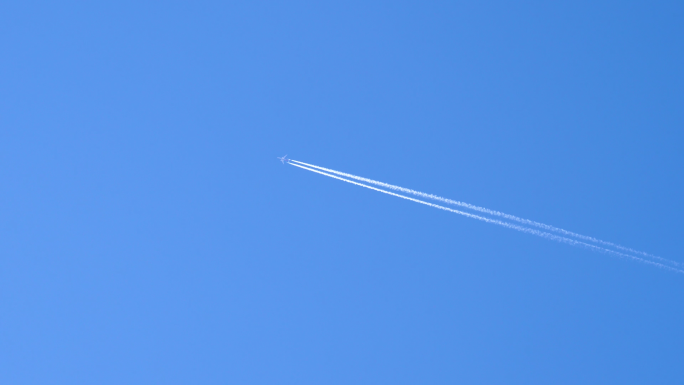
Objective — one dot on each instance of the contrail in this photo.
(490, 212)
(501, 223)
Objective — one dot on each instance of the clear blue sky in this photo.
(149, 235)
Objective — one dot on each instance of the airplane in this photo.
(283, 159)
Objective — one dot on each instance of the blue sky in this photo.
(149, 235)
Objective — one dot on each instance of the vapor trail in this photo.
(490, 212)
(501, 223)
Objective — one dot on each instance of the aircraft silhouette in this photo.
(283, 158)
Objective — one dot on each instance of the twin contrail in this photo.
(625, 251)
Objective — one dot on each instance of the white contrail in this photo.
(501, 223)
(490, 212)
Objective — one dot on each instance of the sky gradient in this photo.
(150, 235)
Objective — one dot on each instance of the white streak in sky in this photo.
(491, 212)
(501, 223)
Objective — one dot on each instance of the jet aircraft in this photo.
(283, 159)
